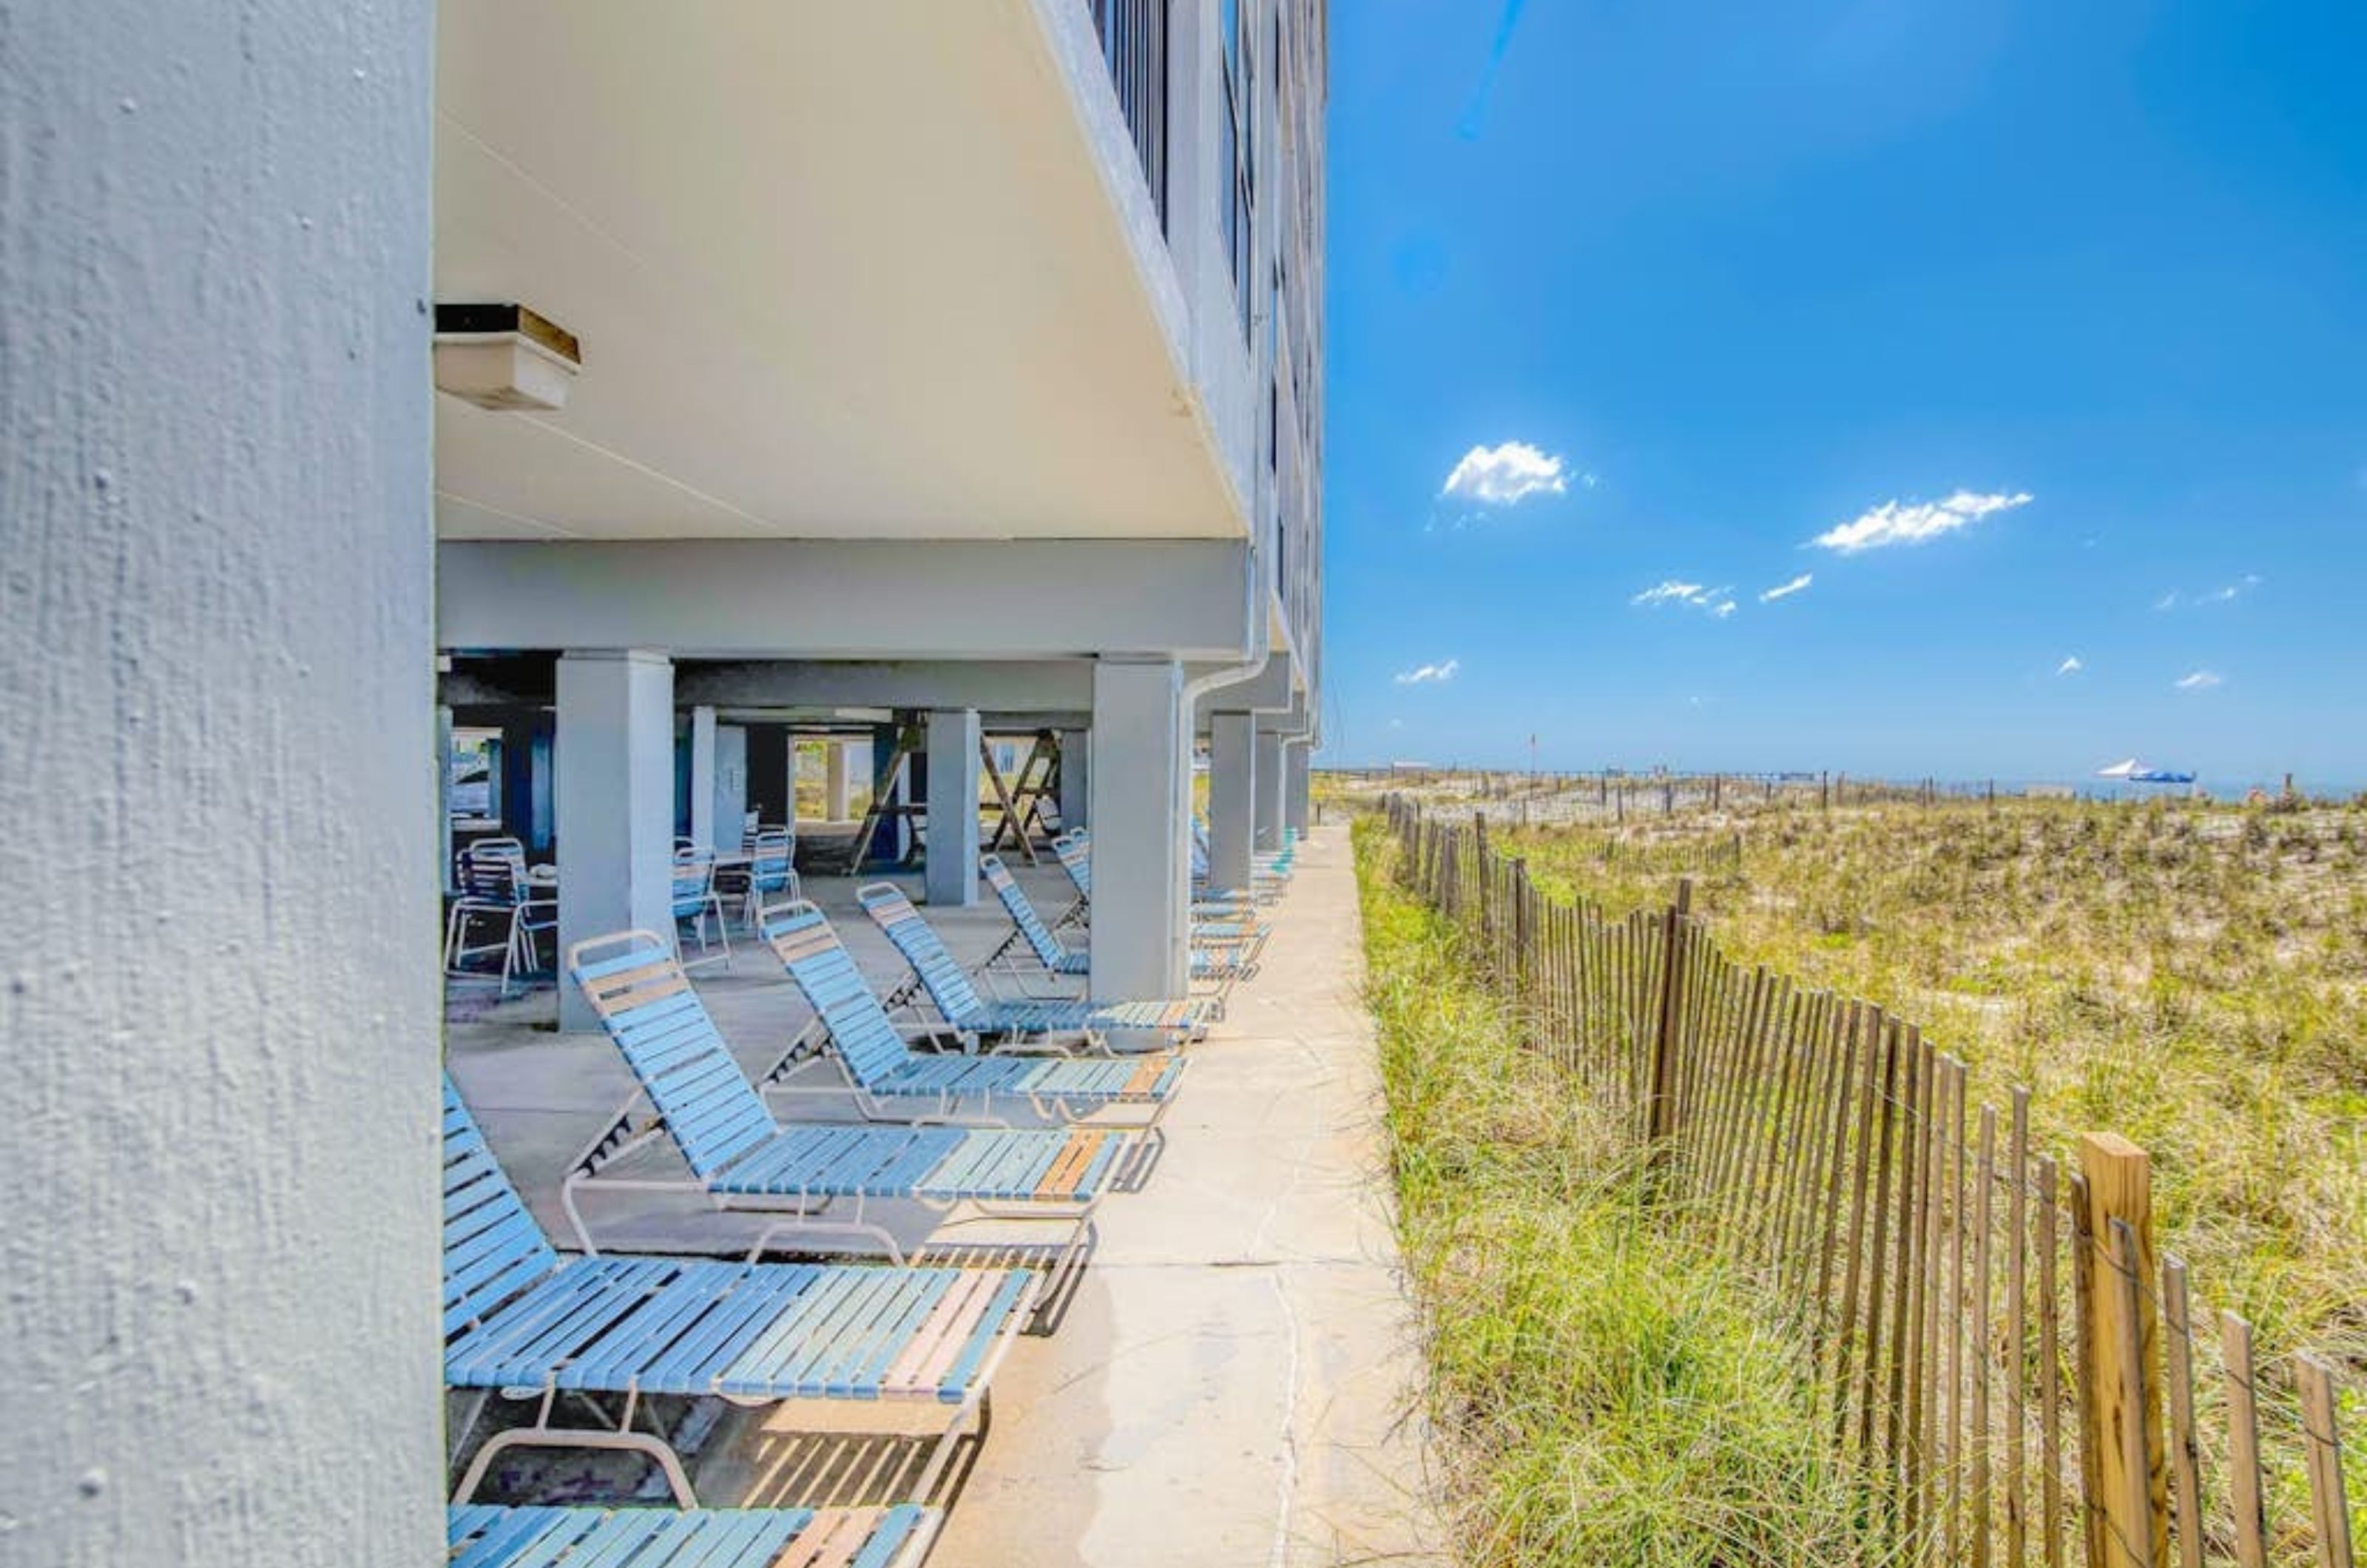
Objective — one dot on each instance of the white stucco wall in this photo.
(219, 1004)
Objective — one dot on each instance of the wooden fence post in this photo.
(2322, 1449)
(1522, 937)
(1659, 1105)
(2129, 1511)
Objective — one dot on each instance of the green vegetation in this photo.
(2192, 976)
(1606, 1389)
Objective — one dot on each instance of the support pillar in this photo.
(892, 843)
(771, 774)
(1141, 790)
(444, 876)
(517, 774)
(729, 798)
(838, 784)
(1075, 779)
(615, 800)
(1232, 800)
(702, 780)
(1298, 765)
(540, 775)
(217, 664)
(950, 876)
(1269, 789)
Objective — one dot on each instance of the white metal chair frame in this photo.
(693, 899)
(493, 888)
(771, 872)
(811, 1217)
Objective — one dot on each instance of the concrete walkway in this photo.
(1236, 1380)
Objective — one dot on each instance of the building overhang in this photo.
(1270, 691)
(879, 269)
(1184, 599)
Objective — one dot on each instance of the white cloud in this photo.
(1508, 474)
(2167, 601)
(1427, 673)
(2242, 585)
(1670, 591)
(2201, 681)
(1785, 590)
(1719, 602)
(1912, 523)
(2070, 666)
(1693, 595)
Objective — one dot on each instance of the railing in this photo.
(1134, 43)
(1995, 1340)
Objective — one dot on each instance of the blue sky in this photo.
(2078, 292)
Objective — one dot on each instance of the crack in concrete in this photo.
(1287, 1485)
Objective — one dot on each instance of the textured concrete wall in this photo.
(217, 735)
(1139, 787)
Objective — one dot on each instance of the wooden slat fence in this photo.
(1998, 1343)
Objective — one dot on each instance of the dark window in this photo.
(1239, 153)
(1134, 43)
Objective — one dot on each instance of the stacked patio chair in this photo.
(523, 1320)
(769, 876)
(885, 1080)
(1269, 870)
(495, 895)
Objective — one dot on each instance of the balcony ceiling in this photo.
(844, 269)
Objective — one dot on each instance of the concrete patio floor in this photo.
(1236, 1378)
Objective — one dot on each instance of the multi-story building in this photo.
(961, 361)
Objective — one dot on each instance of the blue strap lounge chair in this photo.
(960, 1005)
(1215, 924)
(820, 1174)
(482, 1534)
(519, 1316)
(1214, 966)
(1269, 870)
(887, 1080)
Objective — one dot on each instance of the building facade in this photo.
(905, 369)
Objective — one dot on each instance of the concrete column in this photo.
(1269, 788)
(538, 784)
(730, 802)
(1141, 784)
(838, 782)
(615, 800)
(444, 877)
(1296, 763)
(517, 774)
(1075, 779)
(702, 827)
(1233, 799)
(891, 843)
(951, 875)
(218, 654)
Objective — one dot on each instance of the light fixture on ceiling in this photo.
(505, 356)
